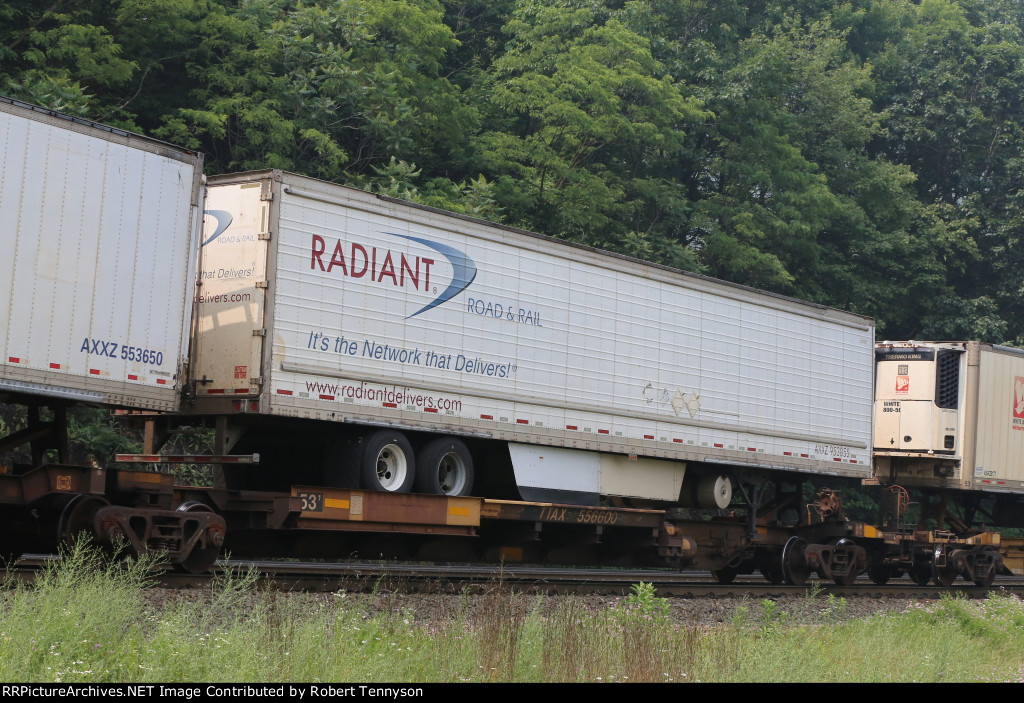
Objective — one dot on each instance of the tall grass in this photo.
(87, 619)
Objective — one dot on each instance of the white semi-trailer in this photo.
(418, 340)
(950, 415)
(98, 230)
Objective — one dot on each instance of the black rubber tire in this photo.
(444, 466)
(386, 462)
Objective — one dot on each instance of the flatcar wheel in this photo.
(920, 574)
(387, 462)
(794, 562)
(77, 518)
(879, 574)
(199, 561)
(944, 575)
(444, 466)
(724, 575)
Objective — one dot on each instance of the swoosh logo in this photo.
(223, 218)
(463, 271)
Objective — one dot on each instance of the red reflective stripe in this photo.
(326, 397)
(676, 439)
(602, 431)
(523, 422)
(390, 405)
(720, 446)
(648, 436)
(94, 372)
(132, 377)
(54, 366)
(14, 360)
(486, 417)
(161, 381)
(282, 392)
(430, 410)
(215, 391)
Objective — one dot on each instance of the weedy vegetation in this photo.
(88, 618)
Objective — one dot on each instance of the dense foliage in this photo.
(864, 154)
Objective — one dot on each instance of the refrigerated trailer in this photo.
(391, 339)
(950, 415)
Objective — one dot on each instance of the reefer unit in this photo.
(98, 228)
(951, 415)
(324, 302)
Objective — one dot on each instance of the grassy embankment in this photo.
(89, 621)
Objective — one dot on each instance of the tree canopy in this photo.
(864, 154)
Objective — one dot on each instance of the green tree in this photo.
(582, 120)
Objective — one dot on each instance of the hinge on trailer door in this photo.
(264, 236)
(262, 284)
(261, 332)
(269, 195)
(256, 381)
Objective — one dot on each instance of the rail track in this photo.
(408, 577)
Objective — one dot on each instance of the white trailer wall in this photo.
(98, 233)
(386, 313)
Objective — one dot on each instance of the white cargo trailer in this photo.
(950, 415)
(98, 227)
(323, 302)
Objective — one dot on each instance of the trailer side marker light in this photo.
(461, 512)
(283, 392)
(94, 372)
(336, 503)
(132, 377)
(14, 360)
(390, 405)
(326, 397)
(54, 366)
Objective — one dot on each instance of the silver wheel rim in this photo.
(451, 474)
(392, 467)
